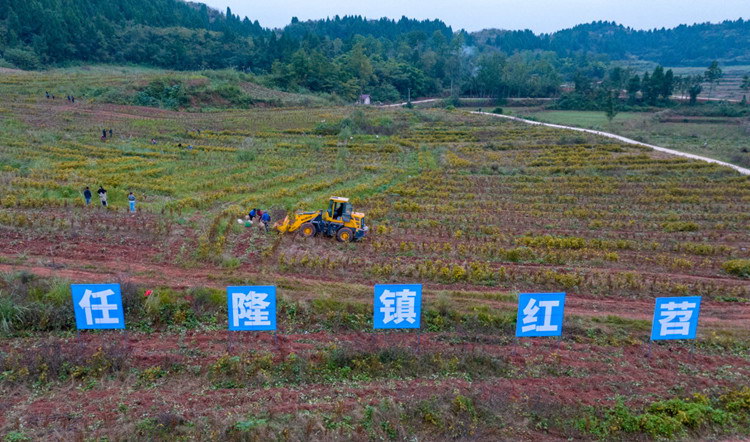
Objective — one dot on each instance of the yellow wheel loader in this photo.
(338, 221)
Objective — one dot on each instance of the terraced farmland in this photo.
(474, 208)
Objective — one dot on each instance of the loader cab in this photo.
(339, 210)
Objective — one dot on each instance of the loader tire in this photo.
(344, 234)
(307, 230)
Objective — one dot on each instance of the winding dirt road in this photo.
(626, 140)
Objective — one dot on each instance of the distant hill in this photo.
(694, 45)
(346, 56)
(157, 32)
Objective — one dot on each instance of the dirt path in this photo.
(428, 100)
(739, 169)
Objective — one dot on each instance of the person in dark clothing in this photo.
(102, 196)
(87, 195)
(47, 94)
(110, 133)
(73, 99)
(104, 134)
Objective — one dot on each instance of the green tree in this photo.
(667, 85)
(581, 83)
(490, 74)
(611, 105)
(713, 76)
(455, 64)
(694, 87)
(653, 89)
(646, 89)
(23, 58)
(745, 86)
(360, 66)
(634, 85)
(618, 77)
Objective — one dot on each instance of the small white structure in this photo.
(364, 99)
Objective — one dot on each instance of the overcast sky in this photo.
(473, 15)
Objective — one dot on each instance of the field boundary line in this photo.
(427, 100)
(739, 169)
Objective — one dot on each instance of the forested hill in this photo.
(347, 27)
(159, 32)
(172, 33)
(346, 56)
(694, 45)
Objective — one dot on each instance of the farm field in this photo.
(728, 87)
(475, 208)
(721, 138)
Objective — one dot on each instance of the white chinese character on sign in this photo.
(675, 318)
(398, 306)
(252, 307)
(102, 306)
(530, 316)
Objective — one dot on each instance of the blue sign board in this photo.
(252, 308)
(676, 318)
(397, 306)
(98, 306)
(540, 314)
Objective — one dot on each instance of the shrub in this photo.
(664, 419)
(234, 95)
(163, 92)
(452, 102)
(737, 267)
(207, 300)
(32, 303)
(385, 92)
(53, 359)
(680, 226)
(11, 314)
(165, 306)
(23, 58)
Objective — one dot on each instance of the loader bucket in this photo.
(282, 226)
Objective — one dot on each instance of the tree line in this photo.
(684, 45)
(622, 86)
(344, 56)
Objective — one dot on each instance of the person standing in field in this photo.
(131, 201)
(102, 196)
(104, 134)
(265, 219)
(87, 195)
